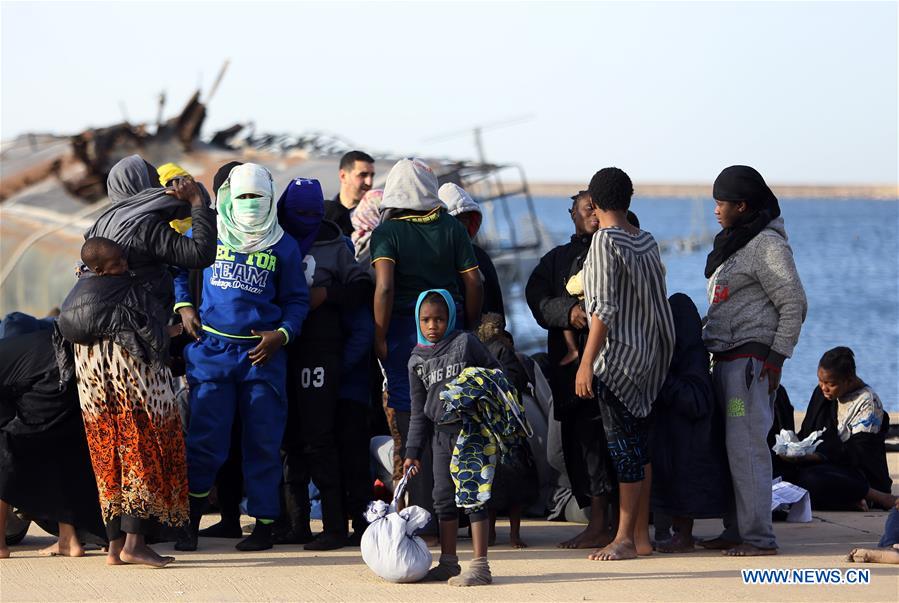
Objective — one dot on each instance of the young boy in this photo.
(254, 300)
(107, 299)
(338, 285)
(440, 356)
(515, 484)
(628, 350)
(104, 257)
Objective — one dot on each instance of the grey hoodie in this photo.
(411, 186)
(756, 297)
(430, 369)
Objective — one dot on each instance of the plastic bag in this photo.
(787, 443)
(389, 545)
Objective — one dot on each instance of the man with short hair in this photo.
(628, 351)
(357, 171)
(585, 453)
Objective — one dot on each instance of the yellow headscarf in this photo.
(167, 173)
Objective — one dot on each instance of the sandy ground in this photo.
(539, 573)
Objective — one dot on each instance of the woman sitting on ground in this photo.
(849, 467)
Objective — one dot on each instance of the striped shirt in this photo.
(624, 285)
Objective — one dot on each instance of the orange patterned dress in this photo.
(135, 439)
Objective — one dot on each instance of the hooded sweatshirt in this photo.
(756, 297)
(428, 247)
(459, 202)
(331, 264)
(431, 367)
(262, 291)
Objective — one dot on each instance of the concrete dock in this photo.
(540, 573)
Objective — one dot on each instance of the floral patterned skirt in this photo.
(134, 435)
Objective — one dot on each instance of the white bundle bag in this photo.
(788, 444)
(389, 545)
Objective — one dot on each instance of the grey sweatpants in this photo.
(749, 414)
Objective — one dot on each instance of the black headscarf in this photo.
(222, 174)
(741, 183)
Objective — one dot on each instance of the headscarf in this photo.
(741, 183)
(411, 186)
(169, 171)
(458, 202)
(222, 174)
(365, 218)
(302, 195)
(248, 225)
(451, 318)
(133, 198)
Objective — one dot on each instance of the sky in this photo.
(806, 92)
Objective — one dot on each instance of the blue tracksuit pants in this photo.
(224, 382)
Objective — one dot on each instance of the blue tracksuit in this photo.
(262, 291)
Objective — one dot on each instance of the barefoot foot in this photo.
(615, 551)
(63, 549)
(873, 556)
(588, 539)
(747, 550)
(880, 500)
(676, 544)
(717, 544)
(145, 556)
(643, 546)
(517, 542)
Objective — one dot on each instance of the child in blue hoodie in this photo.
(440, 356)
(339, 321)
(254, 301)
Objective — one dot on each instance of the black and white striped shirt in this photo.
(624, 285)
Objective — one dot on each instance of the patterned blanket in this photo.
(493, 423)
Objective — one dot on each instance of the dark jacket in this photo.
(550, 304)
(121, 308)
(330, 264)
(430, 369)
(152, 249)
(689, 460)
(340, 215)
(863, 451)
(493, 293)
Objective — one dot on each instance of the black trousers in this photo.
(422, 485)
(310, 440)
(831, 487)
(587, 459)
(355, 469)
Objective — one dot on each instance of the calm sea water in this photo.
(847, 254)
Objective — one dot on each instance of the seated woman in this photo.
(848, 470)
(45, 467)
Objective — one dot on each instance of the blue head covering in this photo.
(302, 195)
(451, 321)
